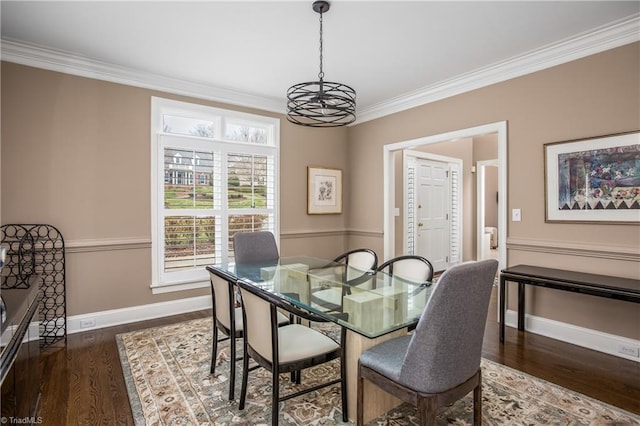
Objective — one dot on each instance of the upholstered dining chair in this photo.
(290, 348)
(227, 318)
(258, 248)
(358, 262)
(409, 267)
(440, 362)
(357, 266)
(255, 247)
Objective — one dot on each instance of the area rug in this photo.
(166, 370)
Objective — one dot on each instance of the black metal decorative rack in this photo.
(38, 250)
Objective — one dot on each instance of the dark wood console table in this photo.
(20, 353)
(595, 285)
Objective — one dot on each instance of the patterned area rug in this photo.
(166, 370)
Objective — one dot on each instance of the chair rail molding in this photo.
(107, 244)
(303, 233)
(136, 243)
(572, 248)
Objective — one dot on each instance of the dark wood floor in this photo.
(83, 382)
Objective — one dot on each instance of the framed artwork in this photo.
(593, 180)
(324, 190)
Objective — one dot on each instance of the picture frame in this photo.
(324, 190)
(593, 180)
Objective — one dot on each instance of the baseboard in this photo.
(580, 336)
(96, 320)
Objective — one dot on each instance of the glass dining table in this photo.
(370, 306)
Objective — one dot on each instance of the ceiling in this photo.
(394, 54)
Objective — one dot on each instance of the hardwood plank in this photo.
(83, 382)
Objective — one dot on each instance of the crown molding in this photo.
(616, 34)
(53, 60)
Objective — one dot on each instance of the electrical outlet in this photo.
(629, 350)
(516, 215)
(87, 323)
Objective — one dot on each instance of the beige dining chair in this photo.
(358, 266)
(439, 362)
(227, 318)
(290, 348)
(413, 268)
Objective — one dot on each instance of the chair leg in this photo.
(232, 374)
(245, 375)
(477, 403)
(275, 398)
(343, 374)
(428, 408)
(214, 351)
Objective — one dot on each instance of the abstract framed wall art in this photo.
(593, 180)
(324, 190)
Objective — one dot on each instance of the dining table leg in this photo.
(376, 401)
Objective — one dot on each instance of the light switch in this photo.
(396, 211)
(516, 215)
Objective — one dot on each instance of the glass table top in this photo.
(369, 303)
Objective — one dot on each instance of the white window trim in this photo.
(160, 106)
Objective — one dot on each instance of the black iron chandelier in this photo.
(321, 103)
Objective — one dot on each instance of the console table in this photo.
(596, 285)
(20, 352)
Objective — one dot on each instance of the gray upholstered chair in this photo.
(440, 362)
(290, 348)
(227, 318)
(255, 247)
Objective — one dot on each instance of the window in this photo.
(214, 173)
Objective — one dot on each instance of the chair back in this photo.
(223, 300)
(446, 345)
(412, 268)
(358, 262)
(258, 322)
(255, 247)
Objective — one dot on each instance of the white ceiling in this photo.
(390, 52)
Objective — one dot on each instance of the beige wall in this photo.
(75, 151)
(597, 95)
(76, 154)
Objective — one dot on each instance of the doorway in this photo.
(391, 212)
(432, 199)
(487, 197)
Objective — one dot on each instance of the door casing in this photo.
(389, 180)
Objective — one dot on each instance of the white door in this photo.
(432, 212)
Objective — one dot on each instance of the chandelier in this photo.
(321, 103)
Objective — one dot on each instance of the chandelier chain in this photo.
(321, 74)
